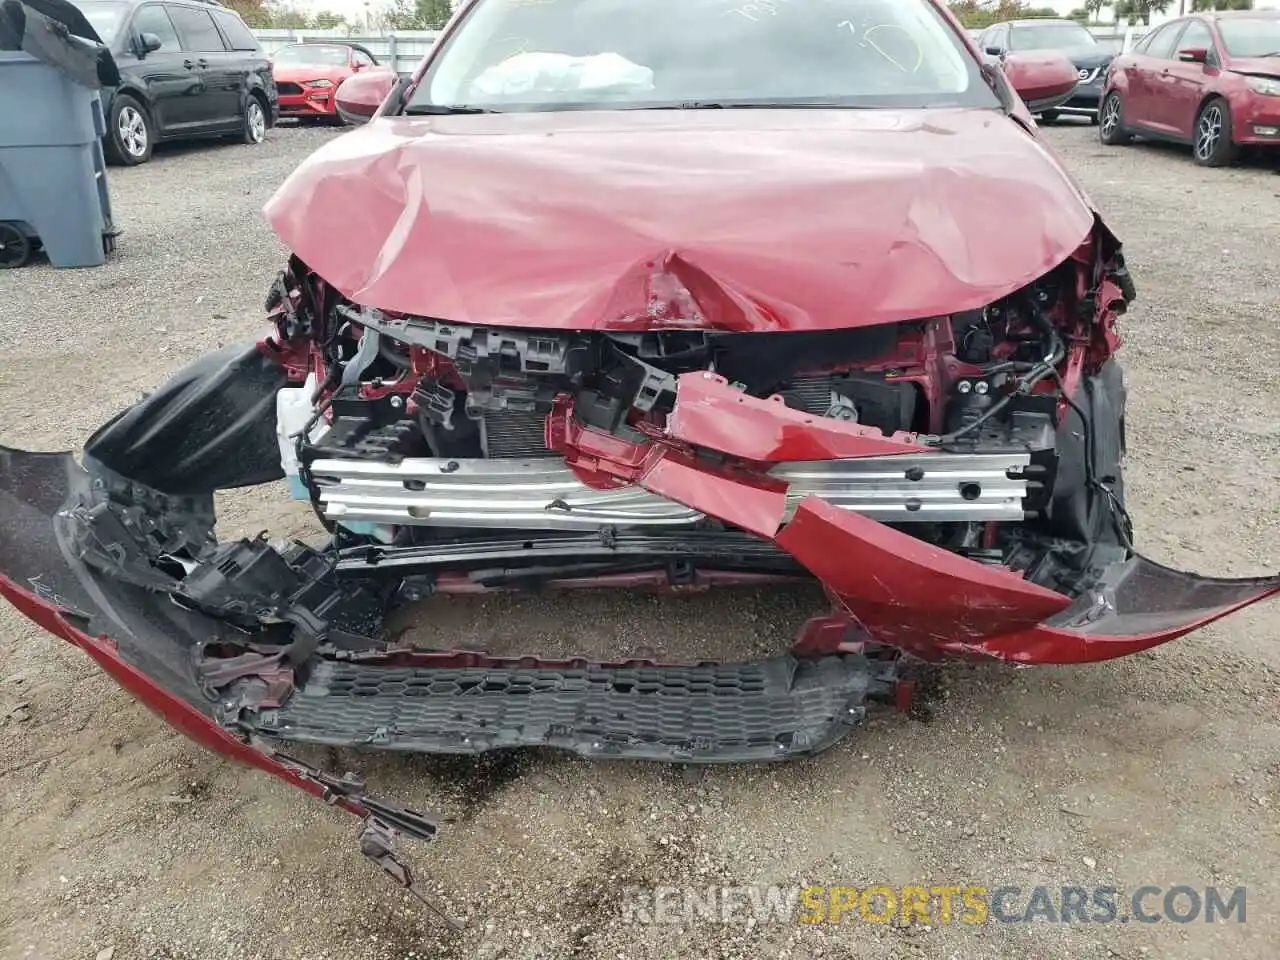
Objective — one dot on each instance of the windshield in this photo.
(319, 54)
(105, 16)
(612, 54)
(1250, 37)
(1049, 36)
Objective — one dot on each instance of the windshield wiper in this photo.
(443, 110)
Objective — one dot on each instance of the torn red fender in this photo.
(711, 414)
(172, 709)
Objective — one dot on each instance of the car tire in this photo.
(1211, 143)
(253, 128)
(1049, 116)
(1111, 130)
(15, 247)
(129, 135)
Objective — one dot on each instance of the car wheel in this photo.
(1111, 129)
(129, 137)
(15, 247)
(1212, 146)
(1049, 116)
(255, 121)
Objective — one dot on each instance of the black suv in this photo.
(188, 68)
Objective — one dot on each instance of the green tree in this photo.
(976, 14)
(1198, 5)
(287, 17)
(252, 12)
(327, 20)
(433, 14)
(399, 15)
(1134, 11)
(417, 14)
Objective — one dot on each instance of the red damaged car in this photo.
(630, 294)
(308, 74)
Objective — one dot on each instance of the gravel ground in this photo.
(124, 840)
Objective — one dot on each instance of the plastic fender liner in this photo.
(212, 426)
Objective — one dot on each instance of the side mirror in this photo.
(150, 43)
(1043, 80)
(1194, 55)
(360, 95)
(994, 51)
(357, 66)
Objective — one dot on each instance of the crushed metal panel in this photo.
(709, 413)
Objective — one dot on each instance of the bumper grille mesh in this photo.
(731, 712)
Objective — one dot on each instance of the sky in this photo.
(355, 9)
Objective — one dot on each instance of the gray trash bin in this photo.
(53, 180)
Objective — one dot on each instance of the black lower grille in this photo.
(767, 710)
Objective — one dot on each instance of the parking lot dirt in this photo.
(121, 839)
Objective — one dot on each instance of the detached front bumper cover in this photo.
(320, 671)
(241, 641)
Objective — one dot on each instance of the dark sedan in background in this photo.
(1090, 57)
(188, 68)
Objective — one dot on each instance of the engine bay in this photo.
(411, 436)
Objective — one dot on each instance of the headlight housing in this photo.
(318, 83)
(1268, 86)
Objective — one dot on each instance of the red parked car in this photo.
(308, 74)
(1211, 80)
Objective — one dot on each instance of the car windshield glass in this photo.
(104, 16)
(1250, 37)
(1050, 36)
(646, 54)
(313, 54)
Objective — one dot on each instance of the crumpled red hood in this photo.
(729, 219)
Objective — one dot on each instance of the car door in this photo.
(171, 89)
(1158, 56)
(218, 104)
(246, 60)
(1188, 79)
